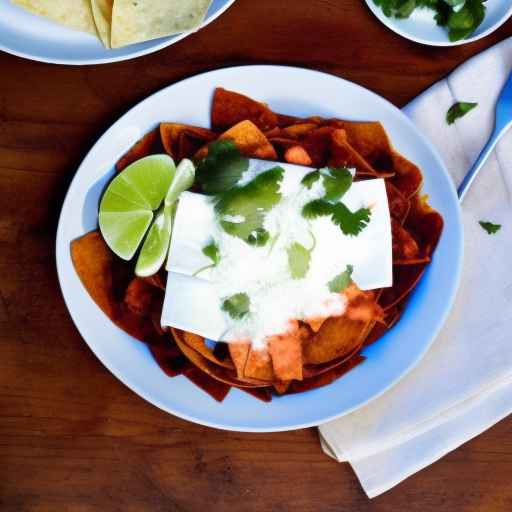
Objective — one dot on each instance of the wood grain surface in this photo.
(72, 437)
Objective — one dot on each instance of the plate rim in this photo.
(167, 41)
(451, 295)
(427, 42)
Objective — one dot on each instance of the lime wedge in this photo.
(156, 245)
(127, 206)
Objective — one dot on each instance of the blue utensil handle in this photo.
(479, 163)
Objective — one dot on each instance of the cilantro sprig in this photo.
(460, 17)
(350, 223)
(237, 306)
(212, 252)
(336, 181)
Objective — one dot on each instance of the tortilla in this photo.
(143, 20)
(102, 13)
(150, 144)
(75, 14)
(183, 141)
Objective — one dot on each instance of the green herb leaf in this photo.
(259, 237)
(212, 251)
(351, 223)
(490, 227)
(336, 181)
(236, 306)
(458, 110)
(222, 168)
(241, 210)
(299, 259)
(341, 281)
(464, 22)
(317, 208)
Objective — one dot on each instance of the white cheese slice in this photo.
(193, 300)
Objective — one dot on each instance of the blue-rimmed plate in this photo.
(33, 37)
(293, 91)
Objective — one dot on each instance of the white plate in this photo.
(422, 28)
(33, 37)
(292, 91)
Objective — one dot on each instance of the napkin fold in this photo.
(463, 385)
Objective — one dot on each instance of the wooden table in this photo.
(73, 438)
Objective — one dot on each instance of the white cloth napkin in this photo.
(464, 384)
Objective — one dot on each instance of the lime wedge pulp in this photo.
(127, 206)
(156, 245)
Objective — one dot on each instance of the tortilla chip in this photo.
(259, 365)
(342, 154)
(150, 144)
(297, 131)
(218, 372)
(263, 394)
(134, 22)
(239, 352)
(75, 14)
(216, 389)
(399, 205)
(405, 248)
(97, 268)
(250, 140)
(408, 178)
(297, 155)
(317, 144)
(198, 344)
(230, 108)
(102, 13)
(405, 278)
(282, 387)
(183, 141)
(286, 353)
(325, 378)
(168, 356)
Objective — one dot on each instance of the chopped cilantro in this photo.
(341, 281)
(222, 168)
(351, 223)
(460, 17)
(258, 237)
(458, 110)
(212, 251)
(299, 259)
(336, 181)
(316, 208)
(236, 306)
(490, 227)
(241, 210)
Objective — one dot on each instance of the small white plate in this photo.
(422, 28)
(293, 91)
(33, 37)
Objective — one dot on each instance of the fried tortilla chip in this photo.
(408, 178)
(150, 144)
(216, 389)
(399, 205)
(259, 365)
(282, 387)
(405, 278)
(230, 108)
(286, 353)
(297, 155)
(325, 378)
(251, 142)
(183, 141)
(97, 267)
(239, 351)
(168, 356)
(263, 394)
(405, 248)
(198, 344)
(342, 154)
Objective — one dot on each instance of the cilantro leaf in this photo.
(222, 168)
(351, 223)
(236, 306)
(317, 208)
(212, 251)
(336, 181)
(341, 281)
(242, 209)
(490, 227)
(458, 110)
(464, 22)
(299, 259)
(258, 237)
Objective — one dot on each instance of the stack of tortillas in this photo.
(122, 22)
